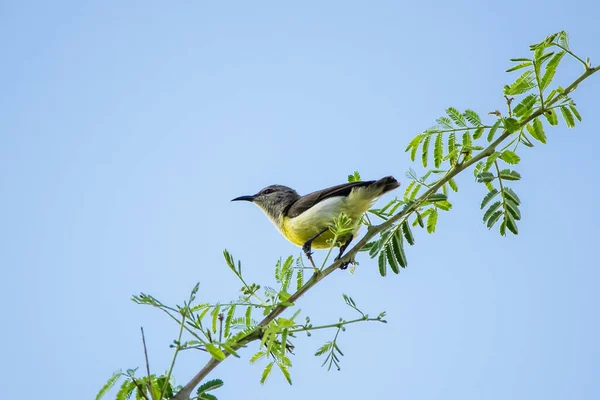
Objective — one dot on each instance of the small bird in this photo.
(305, 220)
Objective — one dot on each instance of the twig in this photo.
(147, 363)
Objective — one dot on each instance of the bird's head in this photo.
(273, 200)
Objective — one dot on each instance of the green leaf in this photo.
(415, 191)
(567, 116)
(228, 319)
(525, 140)
(229, 260)
(408, 189)
(159, 384)
(510, 157)
(230, 350)
(503, 227)
(438, 150)
(523, 84)
(125, 391)
(478, 169)
(419, 220)
(299, 278)
(452, 149)
(511, 195)
(414, 142)
(478, 132)
(398, 249)
(437, 197)
(445, 122)
(488, 197)
(249, 315)
(511, 224)
(413, 146)
(519, 66)
(466, 140)
(425, 151)
(485, 177)
(491, 210)
(494, 218)
(550, 70)
(444, 205)
(324, 349)
(215, 316)
(206, 396)
(413, 153)
(511, 125)
(208, 386)
(355, 177)
(524, 108)
(513, 209)
(510, 175)
(109, 384)
(456, 116)
(563, 39)
(453, 185)
(266, 373)
(536, 130)
(286, 373)
(257, 356)
(432, 221)
(382, 265)
(551, 117)
(575, 112)
(391, 259)
(407, 232)
(379, 243)
(493, 130)
(214, 351)
(203, 313)
(472, 117)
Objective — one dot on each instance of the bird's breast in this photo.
(301, 228)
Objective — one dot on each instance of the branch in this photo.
(372, 231)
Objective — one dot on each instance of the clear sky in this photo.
(127, 126)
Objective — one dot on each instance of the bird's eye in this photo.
(267, 191)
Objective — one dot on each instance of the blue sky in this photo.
(126, 128)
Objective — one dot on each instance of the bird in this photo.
(305, 220)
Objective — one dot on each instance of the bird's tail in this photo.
(387, 184)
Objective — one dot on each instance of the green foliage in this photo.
(523, 84)
(460, 140)
(536, 130)
(203, 389)
(109, 384)
(355, 177)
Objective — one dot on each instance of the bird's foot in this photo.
(345, 264)
(308, 253)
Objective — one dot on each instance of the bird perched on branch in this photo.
(305, 220)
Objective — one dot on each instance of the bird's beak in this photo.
(245, 198)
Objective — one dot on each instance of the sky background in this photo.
(127, 126)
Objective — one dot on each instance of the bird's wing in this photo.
(308, 201)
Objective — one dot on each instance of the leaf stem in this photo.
(186, 309)
(147, 364)
(335, 325)
(571, 54)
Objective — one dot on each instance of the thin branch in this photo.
(147, 363)
(186, 309)
(372, 231)
(336, 325)
(139, 387)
